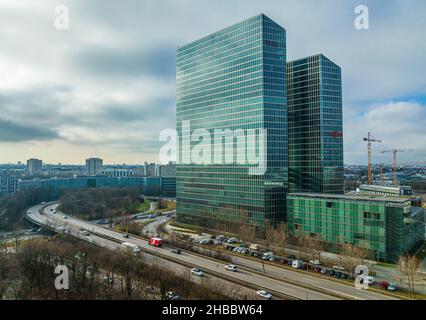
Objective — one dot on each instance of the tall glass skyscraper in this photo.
(315, 126)
(234, 80)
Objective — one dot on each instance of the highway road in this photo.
(250, 271)
(76, 231)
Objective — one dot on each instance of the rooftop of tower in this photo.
(261, 15)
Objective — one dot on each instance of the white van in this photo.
(297, 264)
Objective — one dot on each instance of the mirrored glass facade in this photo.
(235, 80)
(315, 125)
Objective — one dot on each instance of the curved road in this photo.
(253, 275)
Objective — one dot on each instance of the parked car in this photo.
(369, 280)
(220, 238)
(339, 268)
(204, 241)
(297, 264)
(231, 267)
(344, 276)
(86, 233)
(152, 216)
(268, 256)
(64, 216)
(331, 273)
(338, 274)
(126, 236)
(176, 251)
(384, 284)
(232, 240)
(317, 269)
(315, 262)
(292, 257)
(264, 294)
(197, 272)
(392, 286)
(323, 271)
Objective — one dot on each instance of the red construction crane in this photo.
(395, 151)
(370, 140)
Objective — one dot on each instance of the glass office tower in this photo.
(315, 126)
(233, 80)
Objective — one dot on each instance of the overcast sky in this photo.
(106, 86)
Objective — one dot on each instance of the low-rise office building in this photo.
(387, 191)
(387, 226)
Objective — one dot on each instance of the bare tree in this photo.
(352, 256)
(408, 266)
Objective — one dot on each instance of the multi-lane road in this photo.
(282, 281)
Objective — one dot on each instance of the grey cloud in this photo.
(14, 132)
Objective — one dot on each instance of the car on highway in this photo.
(155, 242)
(197, 272)
(86, 233)
(264, 294)
(152, 216)
(170, 295)
(65, 217)
(54, 212)
(28, 212)
(51, 209)
(176, 251)
(231, 267)
(43, 203)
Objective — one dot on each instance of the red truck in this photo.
(156, 242)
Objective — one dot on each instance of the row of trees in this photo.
(13, 207)
(92, 204)
(95, 273)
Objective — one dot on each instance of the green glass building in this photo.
(315, 126)
(387, 226)
(235, 80)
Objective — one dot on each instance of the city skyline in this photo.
(105, 88)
